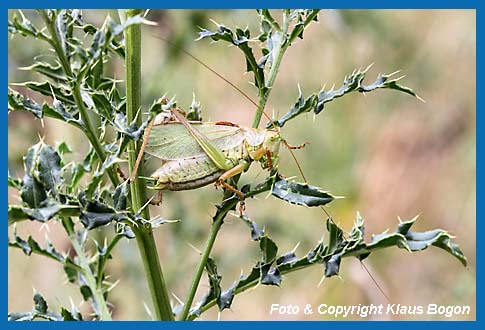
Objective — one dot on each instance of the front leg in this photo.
(258, 154)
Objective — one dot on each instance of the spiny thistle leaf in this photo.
(354, 82)
(70, 315)
(287, 258)
(39, 191)
(124, 230)
(300, 194)
(25, 27)
(129, 129)
(17, 101)
(42, 178)
(256, 232)
(48, 168)
(41, 311)
(30, 246)
(194, 113)
(56, 91)
(96, 180)
(20, 316)
(54, 72)
(267, 24)
(32, 191)
(52, 209)
(269, 250)
(14, 183)
(63, 148)
(95, 214)
(71, 269)
(79, 169)
(303, 17)
(214, 283)
(269, 270)
(120, 196)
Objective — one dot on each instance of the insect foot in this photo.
(121, 174)
(158, 200)
(242, 207)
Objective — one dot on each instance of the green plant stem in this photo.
(154, 275)
(218, 220)
(271, 20)
(76, 92)
(280, 49)
(102, 259)
(143, 233)
(216, 226)
(228, 204)
(96, 290)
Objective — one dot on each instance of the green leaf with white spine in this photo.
(17, 101)
(56, 91)
(332, 253)
(25, 27)
(354, 82)
(30, 246)
(53, 72)
(300, 193)
(45, 213)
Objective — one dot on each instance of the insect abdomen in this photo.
(185, 174)
(197, 183)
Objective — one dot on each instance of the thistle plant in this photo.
(89, 195)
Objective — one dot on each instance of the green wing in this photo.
(172, 141)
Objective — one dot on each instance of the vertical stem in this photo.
(216, 226)
(280, 49)
(102, 259)
(96, 288)
(144, 233)
(133, 103)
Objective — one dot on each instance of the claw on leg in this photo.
(242, 207)
(158, 200)
(121, 174)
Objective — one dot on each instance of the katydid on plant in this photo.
(195, 154)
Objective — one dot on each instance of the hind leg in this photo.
(238, 169)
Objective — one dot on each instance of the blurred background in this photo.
(389, 154)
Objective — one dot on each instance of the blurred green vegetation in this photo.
(388, 153)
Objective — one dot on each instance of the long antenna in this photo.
(186, 52)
